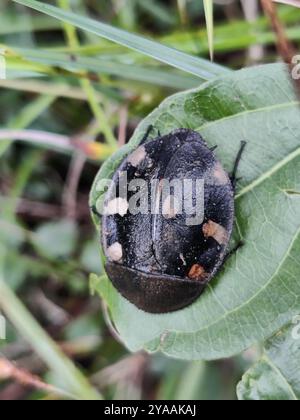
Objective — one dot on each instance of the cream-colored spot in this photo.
(216, 231)
(137, 156)
(183, 259)
(115, 252)
(170, 207)
(197, 272)
(116, 206)
(220, 177)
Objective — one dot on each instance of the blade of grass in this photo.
(148, 74)
(295, 3)
(199, 67)
(54, 89)
(36, 67)
(126, 11)
(28, 114)
(74, 381)
(86, 85)
(21, 178)
(209, 17)
(158, 11)
(239, 34)
(181, 5)
(17, 24)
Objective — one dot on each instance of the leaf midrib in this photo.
(266, 175)
(263, 177)
(246, 303)
(280, 374)
(278, 165)
(248, 111)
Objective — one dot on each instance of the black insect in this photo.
(157, 260)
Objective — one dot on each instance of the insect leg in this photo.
(234, 250)
(145, 138)
(233, 177)
(94, 210)
(230, 253)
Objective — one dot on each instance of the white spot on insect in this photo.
(219, 175)
(170, 207)
(183, 259)
(137, 156)
(116, 206)
(150, 164)
(216, 231)
(115, 252)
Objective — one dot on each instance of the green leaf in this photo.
(17, 24)
(209, 17)
(90, 257)
(197, 66)
(56, 239)
(191, 382)
(15, 271)
(150, 74)
(277, 375)
(258, 291)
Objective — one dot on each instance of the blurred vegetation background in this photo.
(93, 93)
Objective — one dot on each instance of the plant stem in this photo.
(8, 370)
(28, 114)
(87, 86)
(90, 148)
(74, 381)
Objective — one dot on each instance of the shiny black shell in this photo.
(160, 264)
